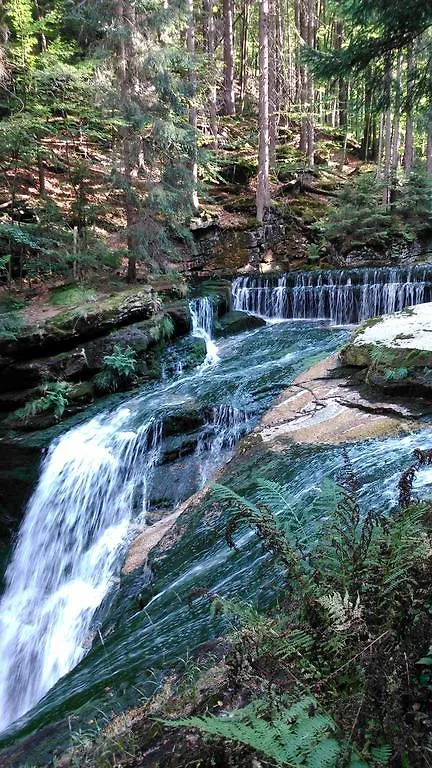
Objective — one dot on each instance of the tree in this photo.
(263, 192)
(229, 98)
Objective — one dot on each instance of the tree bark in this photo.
(229, 99)
(409, 142)
(209, 43)
(396, 119)
(193, 116)
(263, 192)
(244, 46)
(125, 76)
(342, 82)
(272, 78)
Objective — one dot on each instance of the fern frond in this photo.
(297, 736)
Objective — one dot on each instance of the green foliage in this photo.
(11, 321)
(119, 369)
(296, 735)
(414, 202)
(357, 218)
(53, 400)
(396, 374)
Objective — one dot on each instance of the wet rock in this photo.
(19, 466)
(237, 322)
(219, 291)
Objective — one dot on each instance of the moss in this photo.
(71, 294)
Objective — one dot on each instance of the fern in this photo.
(54, 400)
(381, 756)
(396, 374)
(119, 369)
(297, 735)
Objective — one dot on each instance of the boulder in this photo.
(237, 322)
(395, 349)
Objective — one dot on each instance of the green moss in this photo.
(71, 294)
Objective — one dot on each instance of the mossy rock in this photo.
(219, 291)
(237, 322)
(239, 170)
(85, 322)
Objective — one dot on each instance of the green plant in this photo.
(119, 369)
(54, 399)
(297, 734)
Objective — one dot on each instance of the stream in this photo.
(100, 479)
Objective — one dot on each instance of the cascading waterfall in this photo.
(343, 297)
(94, 480)
(202, 314)
(222, 431)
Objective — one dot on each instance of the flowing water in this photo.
(202, 314)
(96, 484)
(343, 297)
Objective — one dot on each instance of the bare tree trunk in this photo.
(303, 21)
(367, 140)
(311, 26)
(263, 192)
(209, 41)
(244, 46)
(429, 125)
(190, 44)
(342, 82)
(380, 147)
(125, 68)
(387, 133)
(272, 78)
(396, 119)
(229, 99)
(409, 142)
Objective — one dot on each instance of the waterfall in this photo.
(202, 314)
(222, 431)
(93, 481)
(343, 297)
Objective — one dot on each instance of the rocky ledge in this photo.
(394, 352)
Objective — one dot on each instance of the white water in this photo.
(202, 314)
(342, 297)
(221, 433)
(69, 550)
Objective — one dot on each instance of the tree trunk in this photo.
(262, 195)
(429, 124)
(190, 44)
(229, 99)
(367, 150)
(303, 20)
(396, 119)
(124, 70)
(209, 43)
(342, 82)
(409, 142)
(311, 39)
(272, 78)
(244, 46)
